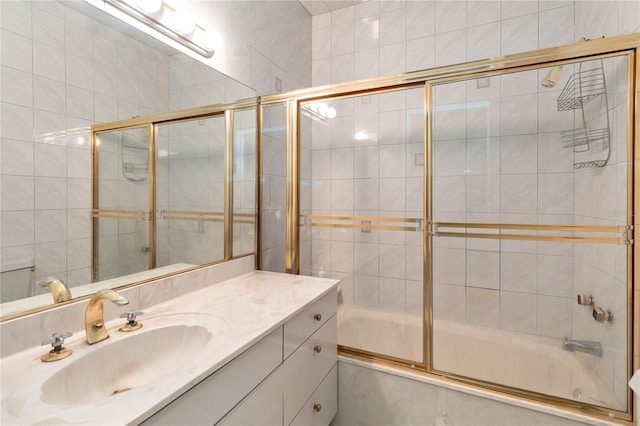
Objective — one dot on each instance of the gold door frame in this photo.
(615, 46)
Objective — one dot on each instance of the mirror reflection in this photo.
(190, 191)
(121, 232)
(104, 72)
(244, 182)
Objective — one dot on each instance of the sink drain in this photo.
(117, 391)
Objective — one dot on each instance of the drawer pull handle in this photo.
(317, 407)
(317, 349)
(318, 317)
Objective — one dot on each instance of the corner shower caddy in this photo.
(581, 88)
(135, 158)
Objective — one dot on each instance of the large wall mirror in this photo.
(170, 176)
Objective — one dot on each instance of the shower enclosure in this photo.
(479, 217)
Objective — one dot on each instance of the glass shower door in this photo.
(529, 217)
(190, 191)
(361, 206)
(273, 201)
(121, 201)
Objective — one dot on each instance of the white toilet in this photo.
(16, 278)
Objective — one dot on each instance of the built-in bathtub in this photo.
(520, 360)
(397, 335)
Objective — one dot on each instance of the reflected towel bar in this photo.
(120, 214)
(202, 216)
(246, 218)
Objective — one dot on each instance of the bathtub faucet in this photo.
(586, 346)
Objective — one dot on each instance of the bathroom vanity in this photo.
(288, 377)
(259, 348)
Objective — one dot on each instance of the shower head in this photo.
(552, 77)
(554, 73)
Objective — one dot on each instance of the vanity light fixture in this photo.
(178, 25)
(149, 6)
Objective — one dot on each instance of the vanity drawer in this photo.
(322, 406)
(261, 407)
(308, 365)
(208, 401)
(303, 325)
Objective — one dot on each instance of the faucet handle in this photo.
(58, 352)
(131, 315)
(131, 324)
(57, 339)
(600, 315)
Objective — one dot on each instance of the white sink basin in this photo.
(134, 371)
(123, 365)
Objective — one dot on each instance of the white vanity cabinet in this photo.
(307, 367)
(307, 377)
(322, 405)
(208, 401)
(288, 377)
(262, 407)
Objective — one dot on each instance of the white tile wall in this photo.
(390, 37)
(260, 41)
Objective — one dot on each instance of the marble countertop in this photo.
(238, 313)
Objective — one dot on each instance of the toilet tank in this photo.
(16, 278)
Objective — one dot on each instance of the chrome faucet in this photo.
(586, 346)
(94, 316)
(59, 289)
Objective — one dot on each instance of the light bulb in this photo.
(322, 108)
(149, 6)
(183, 22)
(210, 39)
(361, 136)
(331, 112)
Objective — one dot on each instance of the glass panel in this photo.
(361, 197)
(121, 242)
(190, 191)
(510, 150)
(244, 182)
(274, 185)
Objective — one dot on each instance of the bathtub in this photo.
(520, 360)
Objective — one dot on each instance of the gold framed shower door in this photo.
(625, 235)
(151, 123)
